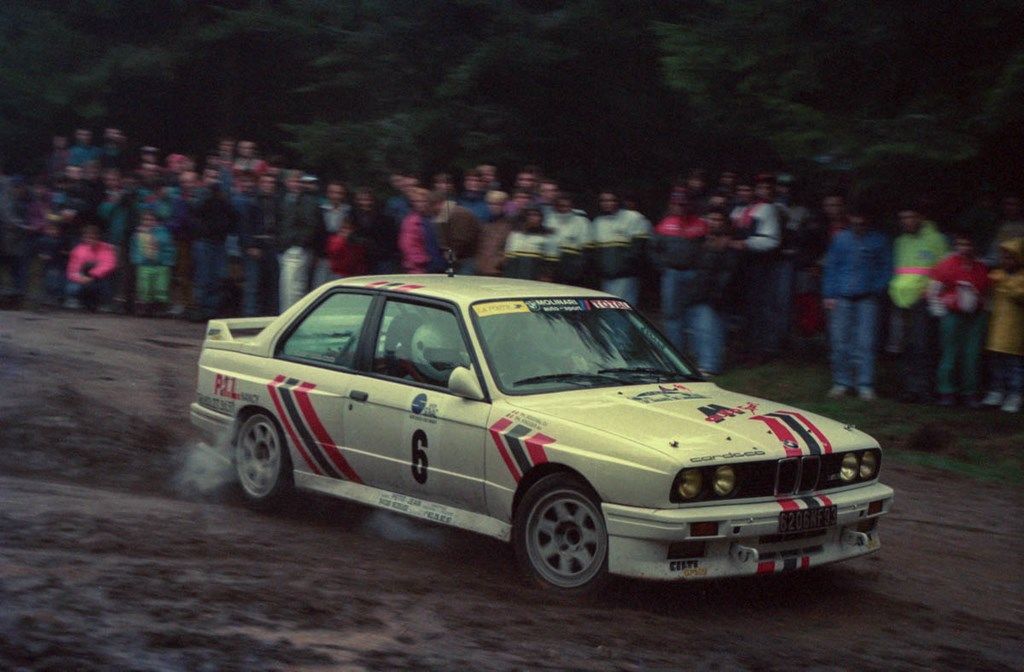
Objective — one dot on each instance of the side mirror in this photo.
(463, 383)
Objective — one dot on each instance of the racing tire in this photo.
(262, 463)
(560, 537)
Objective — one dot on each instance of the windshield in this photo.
(551, 345)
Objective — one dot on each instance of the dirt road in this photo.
(121, 548)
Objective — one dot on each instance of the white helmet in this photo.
(435, 352)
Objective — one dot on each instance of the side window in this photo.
(330, 334)
(419, 343)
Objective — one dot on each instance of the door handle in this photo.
(358, 395)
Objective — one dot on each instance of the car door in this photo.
(433, 440)
(317, 360)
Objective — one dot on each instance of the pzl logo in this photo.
(715, 413)
(226, 386)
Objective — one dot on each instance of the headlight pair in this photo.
(690, 482)
(854, 465)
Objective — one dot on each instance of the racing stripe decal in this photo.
(787, 564)
(782, 433)
(826, 445)
(521, 447)
(272, 388)
(285, 390)
(825, 500)
(394, 286)
(789, 505)
(322, 437)
(496, 429)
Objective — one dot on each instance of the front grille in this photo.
(797, 474)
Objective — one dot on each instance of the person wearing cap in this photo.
(915, 253)
(620, 238)
(532, 251)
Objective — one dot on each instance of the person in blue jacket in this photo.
(857, 269)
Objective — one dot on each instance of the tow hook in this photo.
(855, 538)
(743, 554)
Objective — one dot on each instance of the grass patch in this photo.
(986, 444)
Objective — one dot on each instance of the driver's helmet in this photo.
(435, 352)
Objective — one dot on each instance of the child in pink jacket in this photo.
(90, 266)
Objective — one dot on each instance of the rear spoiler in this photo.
(236, 328)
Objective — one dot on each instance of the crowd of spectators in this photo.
(748, 263)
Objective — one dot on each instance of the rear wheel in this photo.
(560, 536)
(262, 462)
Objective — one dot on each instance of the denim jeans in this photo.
(209, 266)
(1006, 373)
(673, 318)
(91, 294)
(259, 289)
(853, 329)
(627, 289)
(707, 336)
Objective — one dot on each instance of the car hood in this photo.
(696, 419)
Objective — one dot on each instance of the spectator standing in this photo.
(956, 295)
(575, 242)
(346, 252)
(57, 159)
(856, 272)
(620, 237)
(334, 212)
(297, 227)
(117, 213)
(531, 252)
(457, 229)
(152, 254)
(915, 253)
(400, 205)
(674, 249)
(758, 236)
(48, 252)
(247, 161)
(182, 226)
(472, 198)
(1006, 329)
(547, 193)
(83, 152)
(1011, 226)
(379, 232)
(215, 218)
(258, 239)
(89, 269)
(490, 257)
(417, 239)
(705, 318)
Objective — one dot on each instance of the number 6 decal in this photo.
(419, 456)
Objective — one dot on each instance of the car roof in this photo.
(466, 289)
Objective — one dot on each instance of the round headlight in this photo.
(868, 465)
(725, 480)
(690, 484)
(849, 468)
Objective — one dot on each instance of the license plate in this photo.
(807, 519)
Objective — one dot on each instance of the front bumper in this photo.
(645, 543)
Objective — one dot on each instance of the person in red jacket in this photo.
(346, 252)
(89, 269)
(956, 295)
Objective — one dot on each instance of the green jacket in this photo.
(914, 256)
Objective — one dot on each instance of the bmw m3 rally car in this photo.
(553, 417)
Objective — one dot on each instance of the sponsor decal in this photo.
(727, 456)
(306, 431)
(500, 308)
(673, 392)
(227, 387)
(422, 409)
(416, 507)
(521, 447)
(394, 286)
(716, 413)
(792, 429)
(691, 569)
(225, 406)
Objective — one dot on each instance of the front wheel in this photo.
(262, 463)
(560, 535)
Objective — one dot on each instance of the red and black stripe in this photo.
(520, 447)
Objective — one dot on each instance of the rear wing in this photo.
(240, 333)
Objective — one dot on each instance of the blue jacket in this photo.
(165, 250)
(856, 266)
(475, 203)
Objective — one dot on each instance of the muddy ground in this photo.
(121, 548)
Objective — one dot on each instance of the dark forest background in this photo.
(903, 97)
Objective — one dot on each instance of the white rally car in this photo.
(553, 417)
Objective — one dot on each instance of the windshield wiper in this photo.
(577, 378)
(652, 371)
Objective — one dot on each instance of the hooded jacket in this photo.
(1006, 328)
